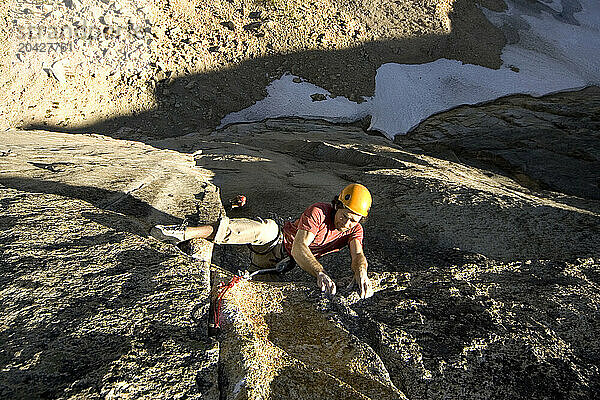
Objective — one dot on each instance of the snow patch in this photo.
(290, 96)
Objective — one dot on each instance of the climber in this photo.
(321, 229)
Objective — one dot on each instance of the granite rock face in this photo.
(92, 307)
(463, 328)
(285, 340)
(486, 285)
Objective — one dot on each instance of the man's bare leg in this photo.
(224, 231)
(202, 231)
(177, 233)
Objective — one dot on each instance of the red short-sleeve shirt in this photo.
(318, 219)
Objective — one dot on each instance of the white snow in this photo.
(558, 49)
(287, 98)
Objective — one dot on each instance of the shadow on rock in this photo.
(66, 361)
(119, 202)
(546, 143)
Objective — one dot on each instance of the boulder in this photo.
(546, 143)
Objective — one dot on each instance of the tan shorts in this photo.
(264, 236)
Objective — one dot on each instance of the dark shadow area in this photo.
(198, 102)
(546, 143)
(550, 301)
(555, 297)
(6, 222)
(442, 325)
(65, 362)
(519, 373)
(62, 355)
(105, 199)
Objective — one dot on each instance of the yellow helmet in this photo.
(356, 198)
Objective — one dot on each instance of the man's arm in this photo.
(307, 261)
(359, 267)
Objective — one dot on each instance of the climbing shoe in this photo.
(168, 233)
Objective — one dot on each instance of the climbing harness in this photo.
(266, 248)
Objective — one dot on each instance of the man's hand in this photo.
(307, 261)
(365, 289)
(325, 283)
(359, 266)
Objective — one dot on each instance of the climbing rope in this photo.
(281, 267)
(223, 288)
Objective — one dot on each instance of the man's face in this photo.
(345, 219)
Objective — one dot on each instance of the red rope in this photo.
(223, 288)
